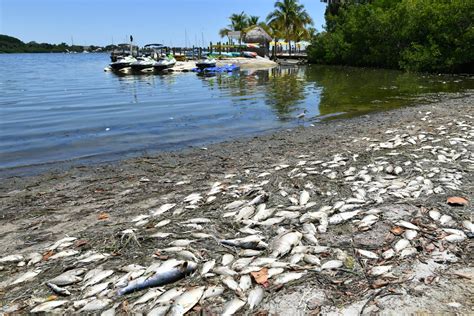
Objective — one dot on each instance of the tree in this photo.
(289, 20)
(238, 23)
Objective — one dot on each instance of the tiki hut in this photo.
(257, 35)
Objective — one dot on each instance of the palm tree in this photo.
(238, 22)
(289, 20)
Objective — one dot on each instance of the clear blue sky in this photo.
(97, 22)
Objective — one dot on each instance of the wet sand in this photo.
(97, 203)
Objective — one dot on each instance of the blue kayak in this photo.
(227, 68)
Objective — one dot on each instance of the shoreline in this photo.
(41, 209)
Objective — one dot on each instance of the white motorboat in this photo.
(206, 63)
(122, 62)
(142, 62)
(165, 63)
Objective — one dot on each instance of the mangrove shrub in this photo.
(418, 35)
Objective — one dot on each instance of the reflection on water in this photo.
(57, 107)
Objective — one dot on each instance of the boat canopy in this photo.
(154, 45)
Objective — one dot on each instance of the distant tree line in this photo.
(417, 35)
(9, 44)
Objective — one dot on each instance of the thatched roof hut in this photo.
(260, 36)
(257, 35)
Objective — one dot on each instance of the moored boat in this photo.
(122, 62)
(142, 62)
(165, 63)
(206, 63)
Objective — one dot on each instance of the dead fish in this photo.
(61, 243)
(201, 235)
(283, 243)
(250, 242)
(249, 253)
(367, 254)
(49, 306)
(445, 219)
(164, 275)
(332, 264)
(132, 268)
(161, 310)
(93, 257)
(181, 243)
(379, 270)
(274, 271)
(410, 234)
(297, 257)
(97, 277)
(186, 301)
(468, 225)
(161, 235)
(163, 223)
(408, 252)
(388, 254)
(311, 239)
(249, 231)
(234, 205)
(151, 294)
(12, 258)
(224, 271)
(227, 259)
(408, 225)
(208, 266)
(34, 258)
(27, 276)
(435, 215)
(342, 217)
(245, 282)
(212, 291)
(132, 275)
(401, 244)
(187, 255)
(65, 253)
(262, 212)
(244, 213)
(58, 290)
(261, 198)
(68, 277)
(263, 261)
(95, 289)
(271, 221)
(172, 249)
(287, 214)
(367, 221)
(304, 198)
(169, 296)
(96, 305)
(230, 283)
(311, 259)
(231, 307)
(255, 297)
(241, 263)
(288, 277)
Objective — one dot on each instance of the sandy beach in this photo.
(398, 245)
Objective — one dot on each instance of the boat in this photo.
(165, 63)
(142, 62)
(206, 63)
(122, 62)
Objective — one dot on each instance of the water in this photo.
(64, 107)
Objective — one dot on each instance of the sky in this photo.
(102, 22)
